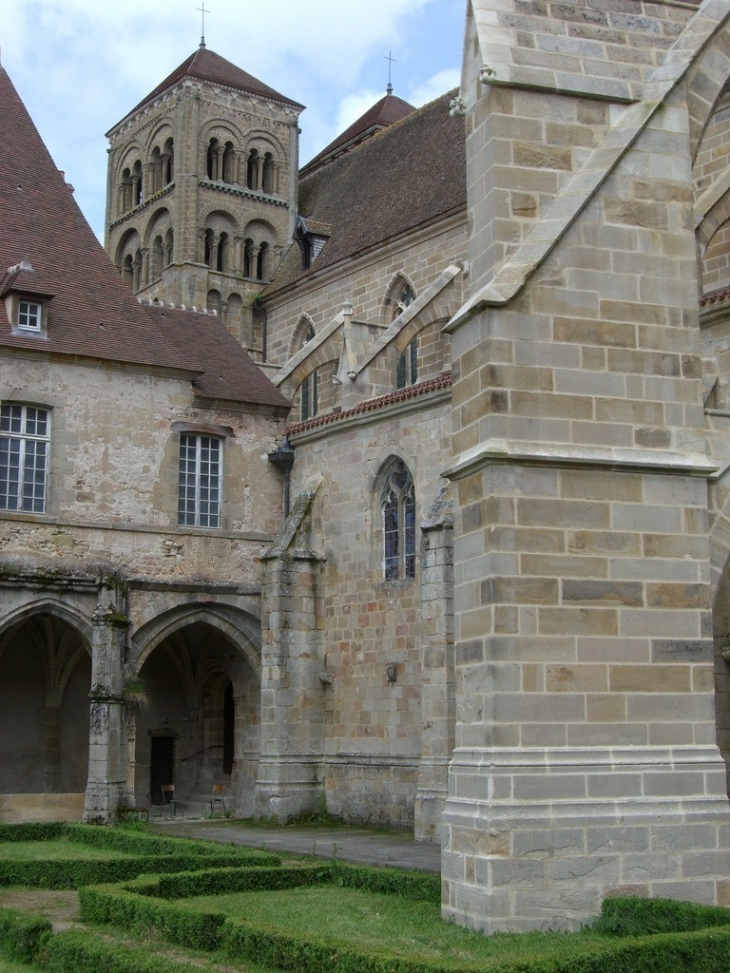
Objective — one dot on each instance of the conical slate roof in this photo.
(208, 66)
(47, 249)
(383, 113)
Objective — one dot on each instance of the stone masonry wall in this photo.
(112, 488)
(373, 725)
(585, 758)
(365, 283)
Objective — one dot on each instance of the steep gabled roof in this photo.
(408, 175)
(208, 66)
(91, 313)
(387, 111)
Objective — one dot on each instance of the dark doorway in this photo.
(229, 726)
(161, 765)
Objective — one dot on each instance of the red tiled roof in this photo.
(209, 66)
(92, 313)
(373, 405)
(383, 113)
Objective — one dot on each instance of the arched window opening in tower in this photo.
(157, 258)
(212, 160)
(229, 160)
(168, 162)
(252, 169)
(136, 183)
(168, 246)
(268, 175)
(223, 246)
(262, 266)
(208, 251)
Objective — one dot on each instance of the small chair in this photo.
(217, 798)
(169, 799)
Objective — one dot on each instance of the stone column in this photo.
(213, 256)
(108, 728)
(145, 270)
(238, 244)
(149, 182)
(437, 669)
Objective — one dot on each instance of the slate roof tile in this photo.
(407, 175)
(387, 111)
(208, 66)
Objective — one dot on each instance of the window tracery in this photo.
(398, 507)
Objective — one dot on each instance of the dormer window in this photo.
(26, 300)
(30, 314)
(27, 314)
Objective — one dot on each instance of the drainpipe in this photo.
(283, 459)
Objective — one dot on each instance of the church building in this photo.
(394, 486)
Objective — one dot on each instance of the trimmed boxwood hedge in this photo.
(71, 873)
(21, 935)
(113, 905)
(141, 904)
(626, 916)
(32, 831)
(81, 951)
(143, 854)
(418, 886)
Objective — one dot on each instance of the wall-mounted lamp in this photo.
(391, 672)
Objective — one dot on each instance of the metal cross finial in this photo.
(391, 62)
(203, 12)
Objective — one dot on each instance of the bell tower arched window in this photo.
(228, 163)
(137, 183)
(252, 170)
(168, 162)
(213, 158)
(398, 506)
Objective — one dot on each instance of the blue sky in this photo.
(81, 65)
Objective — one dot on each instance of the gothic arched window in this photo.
(407, 372)
(308, 389)
(398, 505)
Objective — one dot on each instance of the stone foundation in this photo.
(18, 808)
(535, 839)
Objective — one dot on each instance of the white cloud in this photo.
(81, 65)
(355, 105)
(437, 84)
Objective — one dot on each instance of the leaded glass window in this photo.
(199, 481)
(398, 504)
(24, 442)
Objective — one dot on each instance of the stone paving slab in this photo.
(357, 845)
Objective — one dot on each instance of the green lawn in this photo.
(387, 924)
(60, 848)
(7, 967)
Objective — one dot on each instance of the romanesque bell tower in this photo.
(201, 190)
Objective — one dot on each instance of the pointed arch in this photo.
(395, 498)
(399, 295)
(308, 393)
(241, 628)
